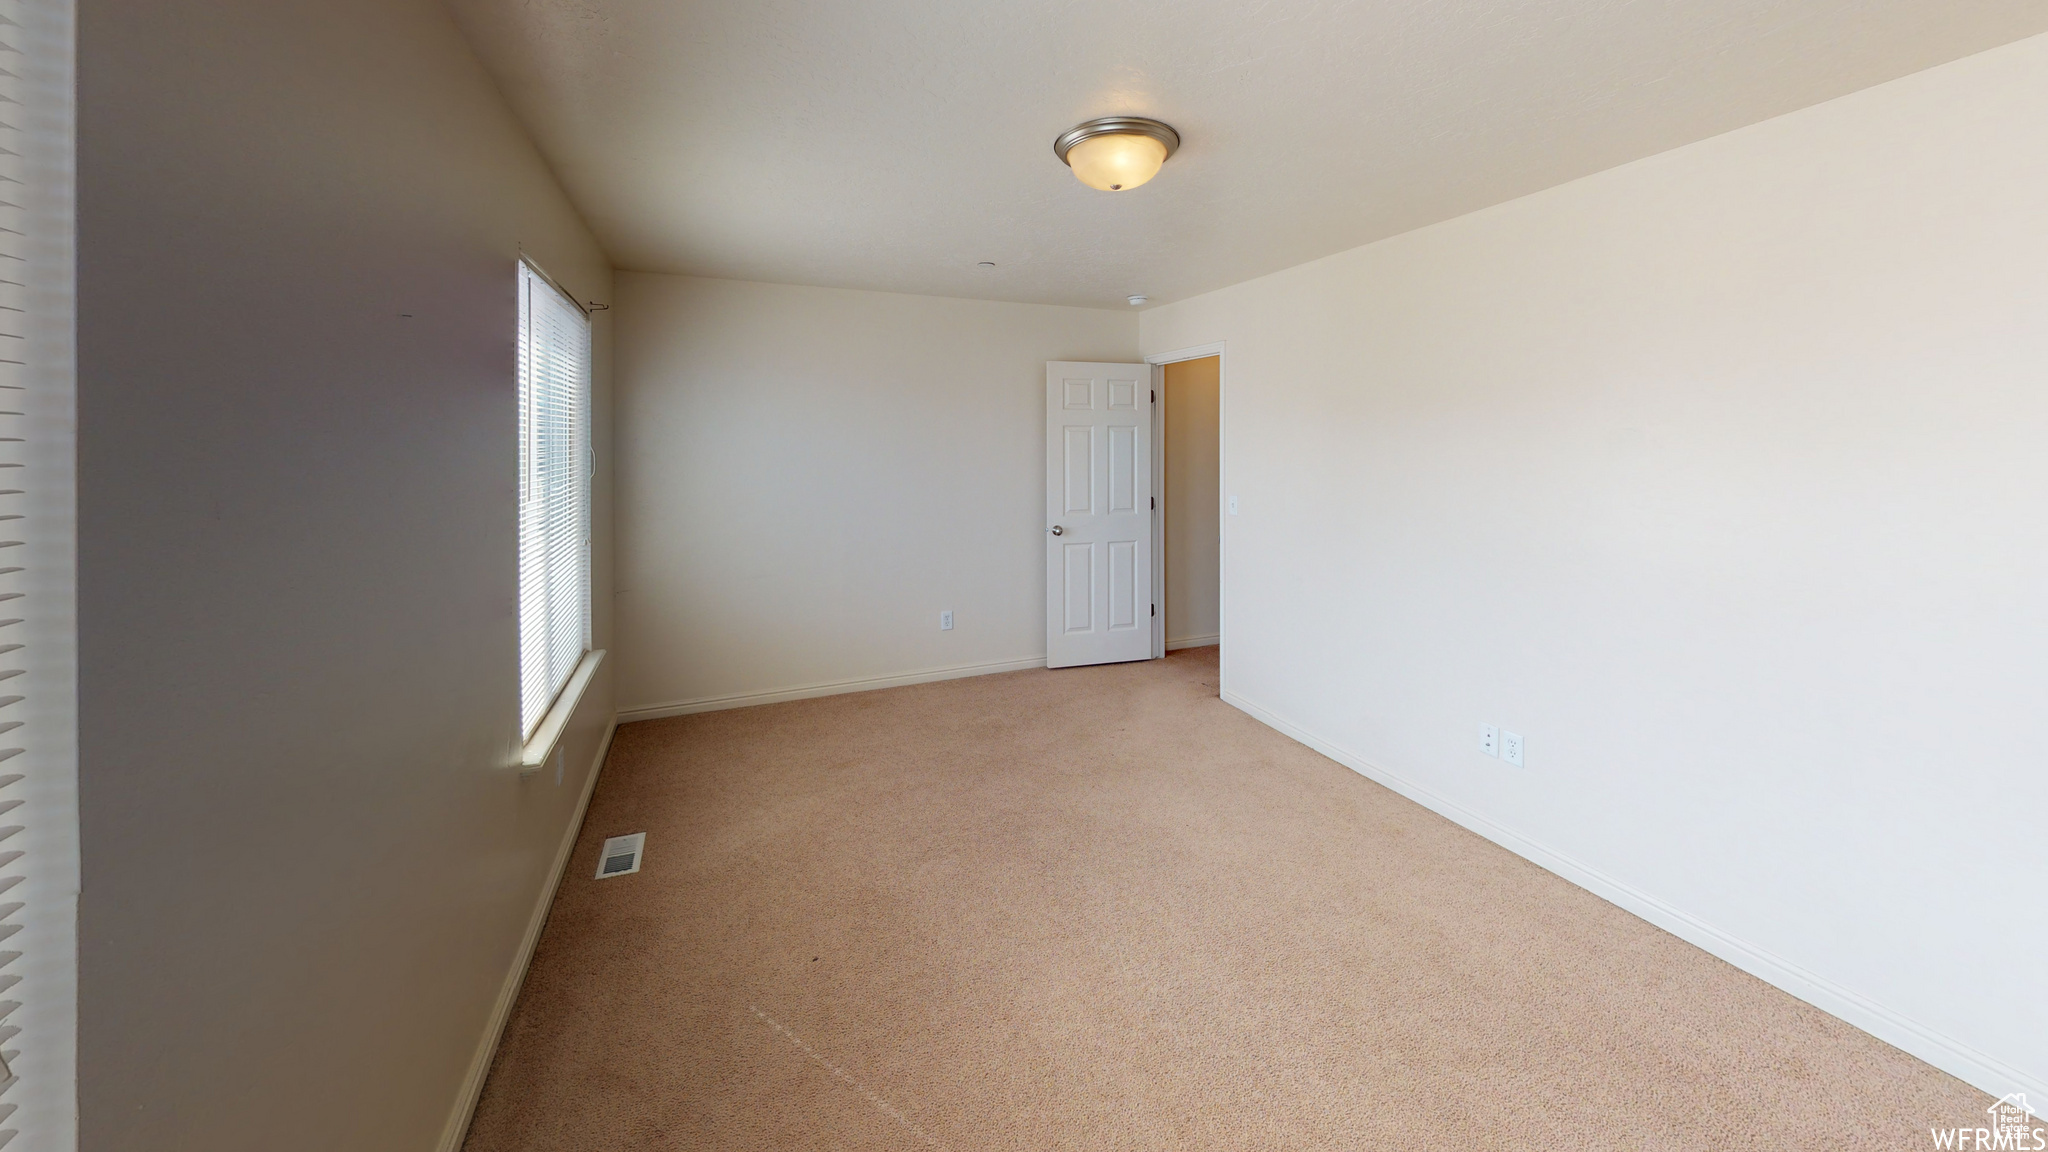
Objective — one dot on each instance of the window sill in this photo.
(541, 746)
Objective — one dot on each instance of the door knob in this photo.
(1058, 531)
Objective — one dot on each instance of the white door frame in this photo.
(1159, 363)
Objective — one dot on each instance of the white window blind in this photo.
(554, 492)
(38, 632)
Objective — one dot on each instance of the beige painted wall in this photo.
(1192, 531)
(307, 861)
(1719, 478)
(809, 476)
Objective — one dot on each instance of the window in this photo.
(555, 466)
(38, 588)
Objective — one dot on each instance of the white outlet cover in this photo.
(946, 620)
(1489, 739)
(1511, 748)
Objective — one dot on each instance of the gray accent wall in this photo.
(308, 861)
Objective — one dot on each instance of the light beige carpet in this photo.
(1097, 908)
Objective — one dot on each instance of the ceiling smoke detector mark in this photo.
(1137, 298)
(987, 265)
(621, 855)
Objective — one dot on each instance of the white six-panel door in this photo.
(1098, 513)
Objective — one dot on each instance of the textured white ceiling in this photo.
(892, 144)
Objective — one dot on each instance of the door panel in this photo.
(1123, 470)
(1080, 470)
(1080, 587)
(1123, 584)
(1098, 499)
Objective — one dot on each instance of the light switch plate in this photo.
(1233, 505)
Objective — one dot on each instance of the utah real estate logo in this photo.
(2013, 1128)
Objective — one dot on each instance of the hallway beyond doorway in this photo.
(1193, 552)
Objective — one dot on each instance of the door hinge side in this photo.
(1155, 609)
(1155, 503)
(1155, 395)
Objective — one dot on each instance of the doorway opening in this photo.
(1190, 490)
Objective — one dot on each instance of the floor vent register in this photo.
(621, 855)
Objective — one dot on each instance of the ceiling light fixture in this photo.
(1116, 153)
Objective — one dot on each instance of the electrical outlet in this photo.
(1511, 748)
(946, 620)
(1489, 739)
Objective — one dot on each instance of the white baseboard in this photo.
(829, 688)
(508, 993)
(1944, 1052)
(1192, 642)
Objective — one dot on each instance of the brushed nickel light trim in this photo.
(1116, 126)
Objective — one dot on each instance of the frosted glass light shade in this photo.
(1116, 163)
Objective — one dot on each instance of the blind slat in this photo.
(554, 493)
(38, 638)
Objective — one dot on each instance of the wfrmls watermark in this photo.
(2013, 1129)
